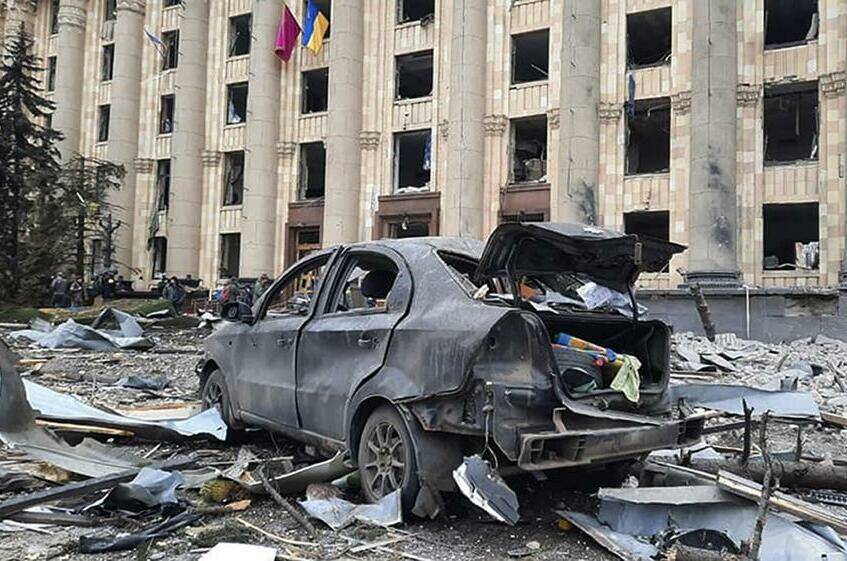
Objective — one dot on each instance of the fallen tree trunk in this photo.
(790, 474)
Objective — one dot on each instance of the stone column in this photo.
(188, 141)
(123, 124)
(579, 120)
(258, 229)
(70, 61)
(344, 124)
(18, 12)
(713, 220)
(462, 203)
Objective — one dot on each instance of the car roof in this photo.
(464, 246)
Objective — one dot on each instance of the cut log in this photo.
(790, 474)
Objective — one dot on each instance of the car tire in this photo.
(386, 458)
(215, 392)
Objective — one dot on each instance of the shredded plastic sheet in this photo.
(338, 513)
(73, 335)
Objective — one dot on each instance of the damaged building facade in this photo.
(721, 125)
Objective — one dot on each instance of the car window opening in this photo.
(315, 91)
(312, 170)
(648, 136)
(648, 38)
(790, 22)
(296, 295)
(367, 285)
(412, 161)
(530, 56)
(414, 75)
(529, 149)
(791, 236)
(791, 123)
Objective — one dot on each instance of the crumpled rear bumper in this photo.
(585, 436)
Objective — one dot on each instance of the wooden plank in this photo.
(79, 488)
(780, 501)
(85, 429)
(833, 419)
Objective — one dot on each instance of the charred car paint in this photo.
(414, 353)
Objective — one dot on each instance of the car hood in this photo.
(609, 258)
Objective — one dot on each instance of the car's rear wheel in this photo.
(387, 458)
(215, 393)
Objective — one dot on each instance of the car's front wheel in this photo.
(387, 458)
(214, 393)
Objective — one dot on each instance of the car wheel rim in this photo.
(212, 395)
(385, 468)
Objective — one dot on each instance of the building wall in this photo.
(822, 181)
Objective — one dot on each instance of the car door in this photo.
(266, 386)
(348, 338)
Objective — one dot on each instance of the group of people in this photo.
(66, 293)
(233, 292)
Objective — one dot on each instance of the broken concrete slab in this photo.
(728, 398)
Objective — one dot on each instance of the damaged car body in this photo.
(415, 353)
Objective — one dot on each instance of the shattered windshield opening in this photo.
(573, 292)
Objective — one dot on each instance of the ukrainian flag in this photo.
(314, 28)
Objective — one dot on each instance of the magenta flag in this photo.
(286, 37)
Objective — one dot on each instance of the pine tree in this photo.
(29, 170)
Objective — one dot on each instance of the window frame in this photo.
(110, 48)
(50, 82)
(167, 100)
(231, 38)
(349, 261)
(103, 131)
(229, 89)
(170, 58)
(289, 276)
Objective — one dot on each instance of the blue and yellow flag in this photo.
(314, 28)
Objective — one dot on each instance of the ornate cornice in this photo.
(27, 6)
(609, 111)
(72, 14)
(833, 84)
(494, 125)
(137, 6)
(553, 118)
(369, 140)
(748, 94)
(143, 165)
(211, 158)
(286, 148)
(681, 102)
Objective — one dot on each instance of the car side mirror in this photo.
(237, 311)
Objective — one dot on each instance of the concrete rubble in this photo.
(108, 444)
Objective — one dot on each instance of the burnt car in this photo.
(412, 354)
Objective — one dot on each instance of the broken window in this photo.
(315, 90)
(413, 75)
(648, 136)
(529, 149)
(312, 170)
(412, 161)
(791, 122)
(239, 34)
(54, 17)
(171, 3)
(230, 263)
(522, 217)
(103, 123)
(236, 103)
(170, 54)
(415, 10)
(791, 236)
(648, 38)
(530, 56)
(166, 114)
(408, 227)
(654, 224)
(160, 256)
(368, 280)
(110, 10)
(324, 7)
(233, 178)
(163, 185)
(51, 74)
(790, 22)
(295, 296)
(107, 62)
(307, 240)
